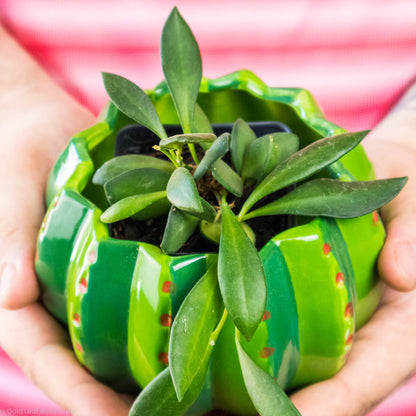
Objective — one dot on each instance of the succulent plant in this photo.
(213, 185)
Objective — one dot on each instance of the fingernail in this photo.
(7, 272)
(406, 262)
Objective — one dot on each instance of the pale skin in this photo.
(38, 118)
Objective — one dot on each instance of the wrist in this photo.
(400, 123)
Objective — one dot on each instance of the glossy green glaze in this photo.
(159, 285)
(98, 307)
(119, 297)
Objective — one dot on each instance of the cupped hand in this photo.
(41, 347)
(38, 119)
(30, 336)
(383, 356)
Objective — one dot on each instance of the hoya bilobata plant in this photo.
(199, 192)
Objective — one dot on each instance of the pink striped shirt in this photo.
(355, 56)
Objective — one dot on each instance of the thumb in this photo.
(29, 145)
(20, 218)
(397, 261)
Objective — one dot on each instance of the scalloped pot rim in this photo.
(118, 297)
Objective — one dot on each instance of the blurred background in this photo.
(356, 57)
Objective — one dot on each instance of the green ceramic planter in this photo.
(118, 298)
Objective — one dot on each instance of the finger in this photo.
(40, 346)
(382, 358)
(397, 261)
(20, 218)
(24, 169)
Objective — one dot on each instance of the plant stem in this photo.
(246, 216)
(178, 155)
(170, 155)
(217, 216)
(191, 147)
(242, 214)
(214, 335)
(219, 327)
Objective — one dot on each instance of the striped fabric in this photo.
(355, 56)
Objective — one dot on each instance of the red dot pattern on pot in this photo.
(92, 256)
(76, 319)
(376, 218)
(166, 320)
(168, 287)
(82, 285)
(348, 310)
(164, 358)
(266, 352)
(81, 288)
(266, 316)
(326, 248)
(348, 314)
(339, 278)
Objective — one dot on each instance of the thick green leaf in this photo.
(288, 144)
(191, 339)
(208, 212)
(159, 397)
(263, 154)
(129, 206)
(136, 182)
(217, 150)
(267, 396)
(122, 164)
(179, 227)
(241, 136)
(333, 198)
(303, 164)
(260, 157)
(241, 275)
(183, 194)
(201, 123)
(182, 191)
(211, 230)
(249, 231)
(133, 101)
(182, 66)
(227, 177)
(179, 140)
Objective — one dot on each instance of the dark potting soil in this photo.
(151, 231)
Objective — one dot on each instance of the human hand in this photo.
(38, 119)
(32, 338)
(41, 347)
(383, 355)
